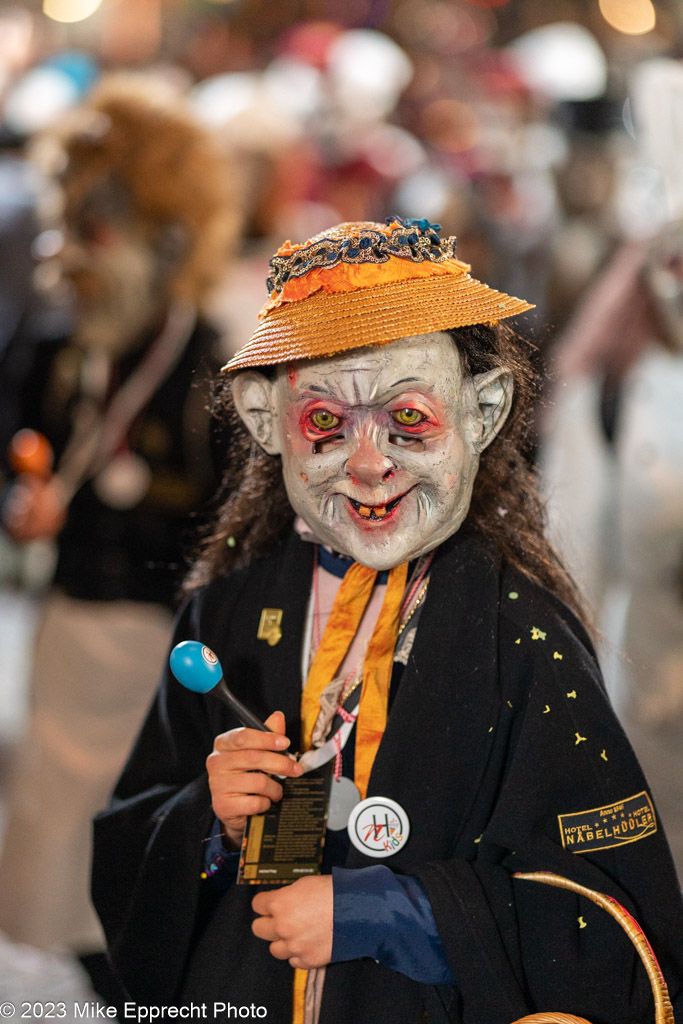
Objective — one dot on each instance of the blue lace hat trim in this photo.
(410, 239)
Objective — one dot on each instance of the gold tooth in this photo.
(365, 511)
(381, 511)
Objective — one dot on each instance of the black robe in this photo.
(499, 726)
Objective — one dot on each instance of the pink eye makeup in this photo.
(413, 419)
(319, 422)
(406, 415)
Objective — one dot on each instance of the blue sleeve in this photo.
(389, 918)
(220, 865)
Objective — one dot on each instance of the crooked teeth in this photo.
(375, 512)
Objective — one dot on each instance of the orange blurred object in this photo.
(31, 452)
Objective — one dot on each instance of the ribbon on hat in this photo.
(340, 259)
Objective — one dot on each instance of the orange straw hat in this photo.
(367, 284)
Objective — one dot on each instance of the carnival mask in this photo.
(380, 446)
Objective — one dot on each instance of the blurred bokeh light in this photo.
(70, 10)
(633, 17)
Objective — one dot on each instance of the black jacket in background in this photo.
(107, 553)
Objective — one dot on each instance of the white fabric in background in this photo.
(616, 515)
(95, 670)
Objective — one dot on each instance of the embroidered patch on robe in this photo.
(605, 827)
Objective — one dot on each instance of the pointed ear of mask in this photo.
(494, 396)
(256, 403)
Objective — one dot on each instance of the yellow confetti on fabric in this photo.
(513, 595)
(572, 694)
(479, 839)
(582, 923)
(557, 656)
(579, 739)
(603, 755)
(537, 634)
(518, 640)
(491, 729)
(547, 709)
(509, 704)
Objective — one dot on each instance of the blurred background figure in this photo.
(613, 453)
(143, 228)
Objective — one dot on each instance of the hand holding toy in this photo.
(241, 765)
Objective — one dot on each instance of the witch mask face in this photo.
(380, 446)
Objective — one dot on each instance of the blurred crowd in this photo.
(141, 196)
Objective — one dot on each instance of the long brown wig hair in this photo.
(252, 512)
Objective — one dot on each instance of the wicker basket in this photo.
(663, 1009)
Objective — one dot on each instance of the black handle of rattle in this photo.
(245, 716)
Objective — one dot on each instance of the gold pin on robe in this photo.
(269, 626)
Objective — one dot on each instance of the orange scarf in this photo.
(347, 611)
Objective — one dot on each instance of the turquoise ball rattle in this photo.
(198, 669)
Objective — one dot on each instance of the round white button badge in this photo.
(378, 827)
